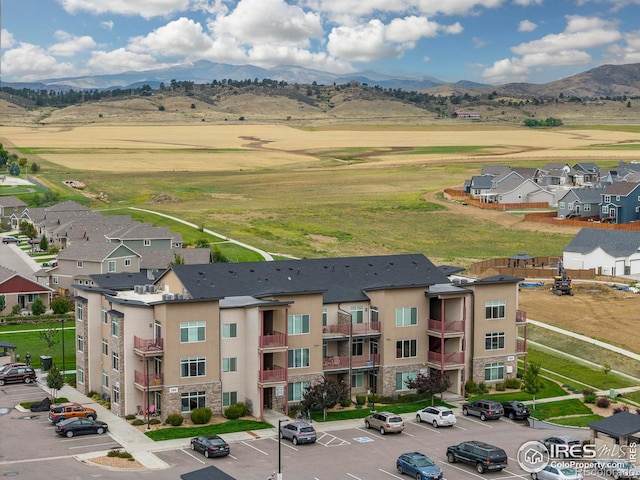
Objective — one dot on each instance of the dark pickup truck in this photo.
(482, 455)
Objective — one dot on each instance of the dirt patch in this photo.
(164, 198)
(117, 463)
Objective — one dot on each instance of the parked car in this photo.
(516, 410)
(436, 416)
(485, 409)
(80, 426)
(563, 446)
(6, 366)
(298, 432)
(210, 446)
(63, 411)
(10, 239)
(418, 466)
(617, 468)
(556, 473)
(17, 373)
(482, 455)
(385, 422)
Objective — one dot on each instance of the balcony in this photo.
(521, 317)
(153, 381)
(521, 346)
(449, 328)
(275, 375)
(453, 359)
(354, 329)
(274, 340)
(357, 361)
(148, 346)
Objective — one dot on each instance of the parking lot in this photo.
(350, 453)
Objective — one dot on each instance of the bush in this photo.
(513, 383)
(500, 387)
(588, 391)
(201, 416)
(137, 422)
(346, 402)
(482, 388)
(119, 454)
(470, 388)
(374, 397)
(175, 419)
(623, 408)
(603, 402)
(294, 409)
(154, 421)
(361, 399)
(590, 398)
(236, 411)
(130, 417)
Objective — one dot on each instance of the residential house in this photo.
(614, 252)
(10, 210)
(480, 187)
(580, 203)
(138, 236)
(261, 332)
(586, 174)
(553, 175)
(620, 202)
(519, 190)
(155, 261)
(20, 290)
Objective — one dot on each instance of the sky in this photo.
(485, 41)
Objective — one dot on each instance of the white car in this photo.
(617, 468)
(436, 416)
(557, 473)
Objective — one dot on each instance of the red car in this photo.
(16, 374)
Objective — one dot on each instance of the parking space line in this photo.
(461, 428)
(478, 422)
(330, 442)
(389, 473)
(251, 446)
(188, 452)
(368, 432)
(462, 470)
(94, 445)
(353, 476)
(285, 444)
(513, 474)
(405, 433)
(427, 428)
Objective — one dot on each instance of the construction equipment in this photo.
(561, 281)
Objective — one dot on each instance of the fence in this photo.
(538, 267)
(456, 194)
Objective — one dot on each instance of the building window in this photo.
(374, 314)
(192, 367)
(105, 379)
(80, 311)
(229, 330)
(496, 309)
(357, 314)
(105, 347)
(561, 205)
(54, 280)
(357, 380)
(494, 371)
(617, 198)
(298, 324)
(192, 400)
(229, 398)
(115, 326)
(406, 316)
(147, 243)
(295, 391)
(127, 262)
(324, 317)
(105, 317)
(406, 348)
(111, 266)
(192, 332)
(80, 375)
(607, 198)
(115, 394)
(570, 206)
(494, 341)
(79, 263)
(357, 347)
(605, 210)
(80, 343)
(587, 207)
(299, 358)
(402, 377)
(115, 361)
(230, 364)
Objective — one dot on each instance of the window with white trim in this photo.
(105, 317)
(115, 361)
(192, 332)
(80, 343)
(494, 371)
(105, 347)
(79, 311)
(127, 262)
(79, 264)
(229, 398)
(80, 374)
(324, 317)
(406, 316)
(406, 348)
(105, 379)
(496, 309)
(295, 391)
(402, 377)
(192, 400)
(111, 266)
(357, 380)
(115, 394)
(357, 313)
(147, 242)
(115, 326)
(494, 341)
(229, 330)
(192, 367)
(298, 358)
(298, 324)
(605, 210)
(54, 280)
(587, 207)
(607, 198)
(561, 205)
(230, 364)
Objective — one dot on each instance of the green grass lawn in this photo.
(30, 341)
(172, 433)
(572, 406)
(581, 421)
(550, 389)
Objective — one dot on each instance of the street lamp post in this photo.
(63, 347)
(280, 421)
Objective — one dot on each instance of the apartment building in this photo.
(261, 332)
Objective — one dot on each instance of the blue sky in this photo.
(487, 41)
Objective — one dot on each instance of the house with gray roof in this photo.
(618, 434)
(480, 187)
(10, 210)
(586, 174)
(144, 235)
(154, 261)
(580, 203)
(521, 190)
(613, 252)
(21, 290)
(620, 202)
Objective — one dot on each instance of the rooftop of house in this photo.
(617, 243)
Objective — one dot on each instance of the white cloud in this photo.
(479, 42)
(527, 3)
(107, 25)
(180, 38)
(6, 37)
(121, 60)
(629, 53)
(30, 62)
(69, 44)
(142, 8)
(410, 29)
(362, 43)
(456, 7)
(527, 26)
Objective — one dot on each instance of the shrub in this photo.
(513, 383)
(175, 419)
(130, 417)
(294, 409)
(624, 408)
(137, 422)
(200, 416)
(119, 454)
(374, 397)
(591, 398)
(361, 399)
(470, 388)
(500, 387)
(154, 421)
(482, 388)
(588, 391)
(346, 402)
(236, 410)
(603, 402)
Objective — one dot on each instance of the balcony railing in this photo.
(447, 327)
(455, 358)
(153, 380)
(521, 316)
(273, 340)
(357, 361)
(148, 345)
(368, 328)
(277, 374)
(521, 346)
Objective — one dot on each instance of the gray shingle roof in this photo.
(90, 251)
(623, 424)
(481, 181)
(160, 258)
(588, 195)
(120, 281)
(620, 188)
(617, 243)
(339, 279)
(12, 202)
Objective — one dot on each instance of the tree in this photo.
(48, 335)
(177, 259)
(202, 243)
(325, 394)
(38, 307)
(218, 256)
(14, 169)
(35, 168)
(3, 303)
(606, 368)
(60, 305)
(55, 381)
(44, 243)
(532, 383)
(429, 385)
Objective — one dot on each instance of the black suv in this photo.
(516, 410)
(485, 409)
(482, 455)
